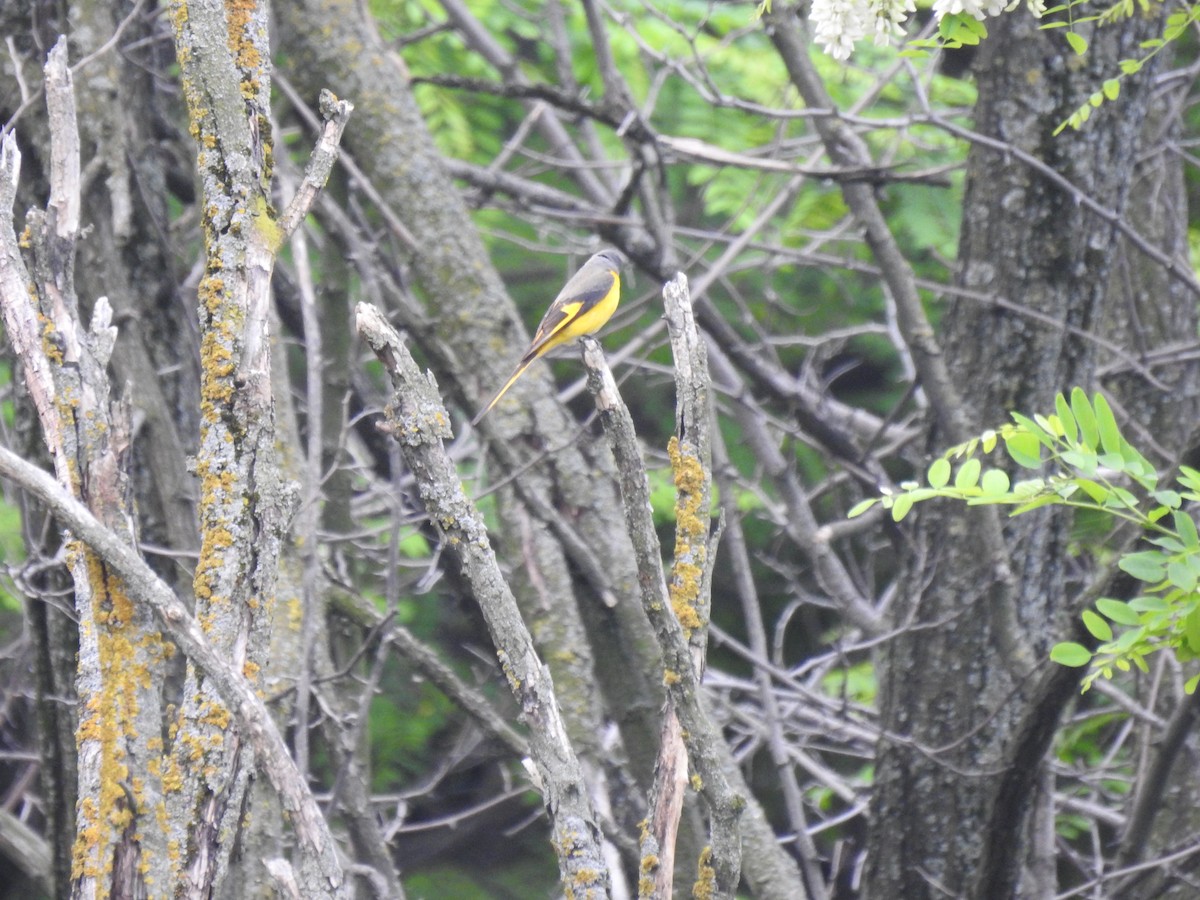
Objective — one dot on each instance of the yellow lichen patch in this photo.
(220, 538)
(215, 714)
(50, 341)
(585, 879)
(513, 681)
(646, 871)
(251, 670)
(203, 580)
(705, 887)
(85, 856)
(216, 390)
(685, 589)
(207, 619)
(109, 726)
(216, 356)
(211, 290)
(670, 677)
(697, 783)
(691, 534)
(172, 779)
(239, 17)
(179, 18)
(264, 221)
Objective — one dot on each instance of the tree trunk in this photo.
(967, 724)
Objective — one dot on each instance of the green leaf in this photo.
(1138, 466)
(1168, 543)
(1071, 654)
(1122, 497)
(1114, 461)
(1186, 529)
(1096, 626)
(1170, 499)
(1191, 630)
(1181, 576)
(1175, 27)
(988, 438)
(1085, 417)
(1144, 566)
(1045, 500)
(1110, 434)
(1077, 42)
(994, 483)
(939, 473)
(1065, 419)
(1044, 437)
(861, 507)
(1190, 686)
(1118, 610)
(968, 475)
(1127, 641)
(1130, 66)
(1112, 88)
(1029, 488)
(1084, 460)
(1149, 604)
(1189, 477)
(900, 506)
(1024, 449)
(1097, 492)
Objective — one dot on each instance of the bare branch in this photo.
(336, 114)
(419, 422)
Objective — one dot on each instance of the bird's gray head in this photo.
(613, 257)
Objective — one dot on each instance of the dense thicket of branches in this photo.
(272, 650)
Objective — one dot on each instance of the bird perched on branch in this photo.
(582, 307)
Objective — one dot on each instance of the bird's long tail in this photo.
(524, 364)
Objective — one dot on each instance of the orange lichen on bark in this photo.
(239, 16)
(705, 887)
(110, 716)
(691, 535)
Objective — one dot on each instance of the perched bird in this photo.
(582, 307)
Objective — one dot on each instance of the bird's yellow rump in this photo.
(582, 307)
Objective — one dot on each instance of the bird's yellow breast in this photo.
(593, 318)
(582, 317)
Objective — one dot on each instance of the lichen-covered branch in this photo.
(247, 709)
(721, 865)
(119, 839)
(419, 422)
(690, 452)
(224, 58)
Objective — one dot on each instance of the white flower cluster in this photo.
(839, 24)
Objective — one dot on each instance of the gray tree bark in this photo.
(967, 723)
